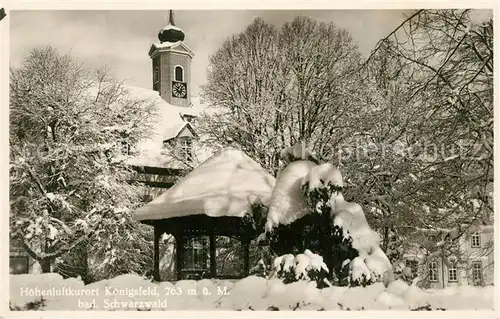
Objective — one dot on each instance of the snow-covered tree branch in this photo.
(68, 181)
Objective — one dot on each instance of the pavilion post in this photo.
(213, 262)
(179, 255)
(156, 257)
(246, 256)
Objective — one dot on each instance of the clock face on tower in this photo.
(179, 89)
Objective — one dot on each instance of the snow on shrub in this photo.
(306, 266)
(308, 211)
(287, 202)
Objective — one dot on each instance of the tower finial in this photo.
(171, 17)
(170, 33)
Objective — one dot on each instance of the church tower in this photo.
(171, 61)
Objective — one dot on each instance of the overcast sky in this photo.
(121, 39)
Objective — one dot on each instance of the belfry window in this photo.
(179, 74)
(156, 75)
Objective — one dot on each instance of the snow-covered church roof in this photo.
(165, 126)
(226, 184)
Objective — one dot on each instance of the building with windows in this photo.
(171, 61)
(172, 152)
(446, 258)
(175, 149)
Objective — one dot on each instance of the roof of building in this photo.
(226, 184)
(165, 126)
(178, 46)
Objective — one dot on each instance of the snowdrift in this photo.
(131, 292)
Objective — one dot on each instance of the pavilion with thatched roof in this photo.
(223, 196)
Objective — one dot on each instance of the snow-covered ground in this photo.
(131, 292)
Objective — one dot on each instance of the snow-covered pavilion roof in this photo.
(226, 184)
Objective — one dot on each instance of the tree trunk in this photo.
(45, 265)
(85, 261)
(385, 242)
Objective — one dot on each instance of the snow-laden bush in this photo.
(306, 266)
(308, 211)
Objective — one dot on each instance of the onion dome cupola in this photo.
(171, 33)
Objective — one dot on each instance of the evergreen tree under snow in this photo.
(317, 234)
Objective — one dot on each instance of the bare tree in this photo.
(410, 127)
(276, 87)
(435, 71)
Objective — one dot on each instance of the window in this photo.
(433, 271)
(229, 249)
(124, 147)
(475, 240)
(179, 74)
(452, 273)
(413, 266)
(477, 271)
(196, 253)
(156, 75)
(18, 265)
(186, 149)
